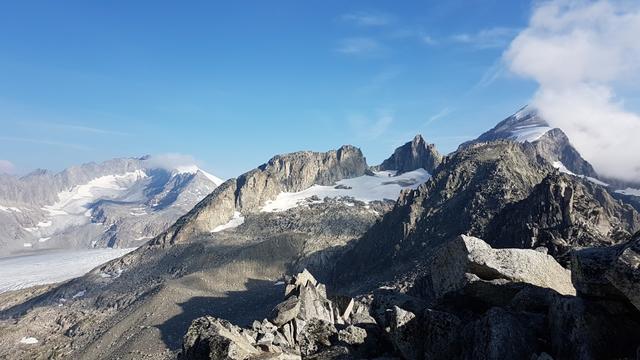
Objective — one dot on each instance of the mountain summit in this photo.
(413, 155)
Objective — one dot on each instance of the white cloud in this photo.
(441, 114)
(579, 52)
(359, 46)
(171, 161)
(87, 129)
(363, 18)
(370, 128)
(45, 142)
(6, 167)
(487, 38)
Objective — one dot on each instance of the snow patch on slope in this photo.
(28, 340)
(193, 169)
(9, 209)
(235, 221)
(76, 201)
(382, 185)
(563, 169)
(529, 133)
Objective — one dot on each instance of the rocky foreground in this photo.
(473, 302)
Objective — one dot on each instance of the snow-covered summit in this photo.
(116, 203)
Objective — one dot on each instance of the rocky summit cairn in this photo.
(306, 324)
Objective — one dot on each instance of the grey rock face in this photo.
(249, 192)
(117, 203)
(413, 155)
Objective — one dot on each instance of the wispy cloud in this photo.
(496, 37)
(370, 128)
(365, 18)
(81, 128)
(491, 74)
(380, 80)
(412, 33)
(439, 115)
(44, 142)
(6, 167)
(360, 46)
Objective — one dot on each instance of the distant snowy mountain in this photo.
(117, 203)
(552, 144)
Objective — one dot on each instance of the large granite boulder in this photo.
(466, 260)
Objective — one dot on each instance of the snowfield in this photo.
(53, 266)
(529, 133)
(383, 185)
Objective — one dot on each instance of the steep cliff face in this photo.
(249, 192)
(562, 213)
(413, 155)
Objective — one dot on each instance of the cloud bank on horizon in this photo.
(579, 52)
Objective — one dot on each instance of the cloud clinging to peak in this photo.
(6, 167)
(579, 53)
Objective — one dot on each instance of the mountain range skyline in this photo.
(373, 75)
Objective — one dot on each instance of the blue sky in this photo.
(233, 83)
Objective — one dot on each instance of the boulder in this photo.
(583, 328)
(352, 335)
(285, 311)
(466, 259)
(316, 336)
(211, 338)
(500, 334)
(610, 272)
(625, 272)
(404, 330)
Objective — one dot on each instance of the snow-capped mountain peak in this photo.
(116, 203)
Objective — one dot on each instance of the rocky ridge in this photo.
(248, 193)
(499, 191)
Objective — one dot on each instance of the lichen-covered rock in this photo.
(316, 335)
